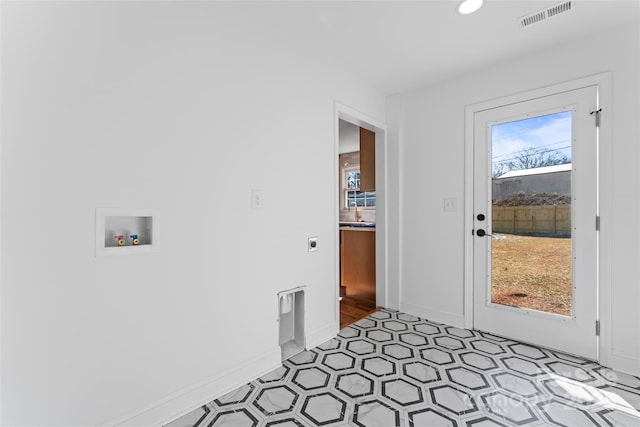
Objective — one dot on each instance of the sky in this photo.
(552, 131)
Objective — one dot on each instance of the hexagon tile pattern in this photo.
(397, 370)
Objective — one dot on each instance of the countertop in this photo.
(347, 227)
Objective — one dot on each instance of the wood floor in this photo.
(353, 309)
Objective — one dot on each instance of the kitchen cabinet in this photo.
(358, 263)
(367, 160)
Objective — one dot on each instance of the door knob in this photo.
(481, 233)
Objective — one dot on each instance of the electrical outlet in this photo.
(313, 244)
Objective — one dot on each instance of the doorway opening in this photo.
(361, 254)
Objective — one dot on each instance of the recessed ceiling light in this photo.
(469, 6)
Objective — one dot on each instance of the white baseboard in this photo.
(438, 316)
(186, 400)
(626, 364)
(322, 334)
(192, 397)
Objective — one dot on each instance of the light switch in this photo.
(256, 199)
(451, 204)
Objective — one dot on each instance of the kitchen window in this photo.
(352, 194)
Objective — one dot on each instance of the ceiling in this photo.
(397, 45)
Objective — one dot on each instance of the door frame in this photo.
(355, 117)
(604, 182)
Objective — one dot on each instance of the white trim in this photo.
(594, 80)
(353, 116)
(624, 363)
(438, 316)
(323, 334)
(382, 238)
(399, 213)
(186, 400)
(603, 82)
(468, 216)
(393, 201)
(358, 118)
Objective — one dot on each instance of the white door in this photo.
(535, 207)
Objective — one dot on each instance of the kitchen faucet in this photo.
(357, 215)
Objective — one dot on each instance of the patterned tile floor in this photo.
(392, 369)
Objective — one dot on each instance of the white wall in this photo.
(171, 106)
(431, 167)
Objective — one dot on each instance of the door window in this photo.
(531, 261)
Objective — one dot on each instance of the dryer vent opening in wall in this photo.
(291, 315)
(543, 14)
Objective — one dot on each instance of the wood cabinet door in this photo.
(367, 160)
(358, 264)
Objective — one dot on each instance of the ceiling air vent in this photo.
(541, 15)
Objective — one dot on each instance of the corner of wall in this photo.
(322, 334)
(451, 319)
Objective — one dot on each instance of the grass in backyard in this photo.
(532, 272)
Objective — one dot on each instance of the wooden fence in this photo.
(554, 219)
